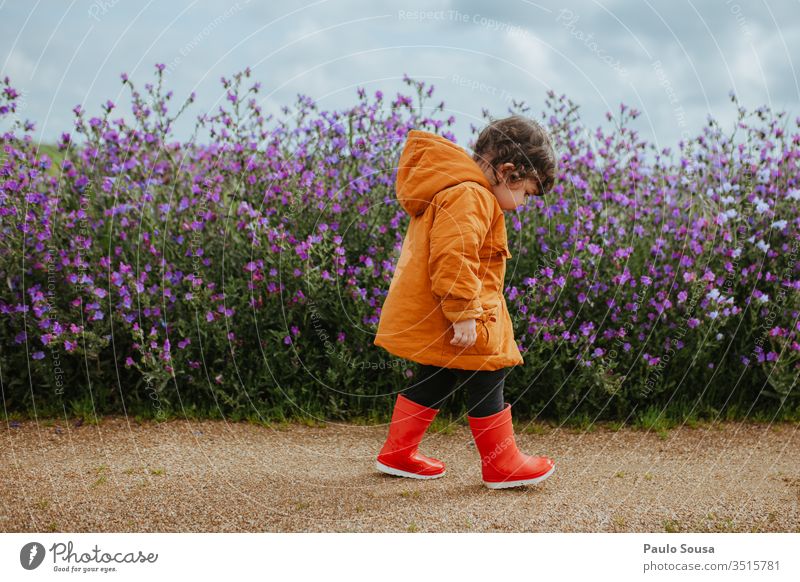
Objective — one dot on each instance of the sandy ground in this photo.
(187, 476)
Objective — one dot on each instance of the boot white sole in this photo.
(507, 484)
(398, 473)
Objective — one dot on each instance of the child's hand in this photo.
(464, 333)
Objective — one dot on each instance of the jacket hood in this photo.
(429, 164)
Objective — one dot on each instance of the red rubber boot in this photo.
(502, 463)
(399, 455)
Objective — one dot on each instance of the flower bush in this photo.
(244, 277)
(656, 278)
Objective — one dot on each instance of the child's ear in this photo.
(506, 172)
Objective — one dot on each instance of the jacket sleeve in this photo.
(460, 225)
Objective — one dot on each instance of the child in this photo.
(445, 309)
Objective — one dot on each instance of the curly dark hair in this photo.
(522, 142)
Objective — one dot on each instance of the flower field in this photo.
(244, 277)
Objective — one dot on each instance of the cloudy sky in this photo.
(676, 61)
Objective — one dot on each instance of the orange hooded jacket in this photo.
(452, 265)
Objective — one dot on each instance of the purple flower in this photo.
(651, 360)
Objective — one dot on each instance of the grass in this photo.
(443, 425)
(311, 422)
(134, 470)
(615, 425)
(713, 523)
(84, 410)
(772, 517)
(693, 423)
(537, 428)
(102, 475)
(659, 420)
(580, 422)
(653, 419)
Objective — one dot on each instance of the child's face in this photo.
(510, 195)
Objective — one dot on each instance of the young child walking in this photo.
(445, 309)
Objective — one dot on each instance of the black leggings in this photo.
(432, 385)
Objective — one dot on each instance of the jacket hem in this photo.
(468, 362)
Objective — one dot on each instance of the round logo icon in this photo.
(31, 555)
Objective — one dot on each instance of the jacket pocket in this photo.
(489, 331)
(490, 321)
(489, 252)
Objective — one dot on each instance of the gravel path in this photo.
(192, 476)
